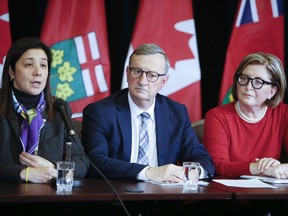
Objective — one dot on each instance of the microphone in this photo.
(60, 106)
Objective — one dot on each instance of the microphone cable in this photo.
(103, 176)
(61, 107)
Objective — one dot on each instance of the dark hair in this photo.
(14, 54)
(275, 70)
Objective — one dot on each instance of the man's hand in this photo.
(168, 173)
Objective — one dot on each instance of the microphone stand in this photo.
(78, 183)
(68, 146)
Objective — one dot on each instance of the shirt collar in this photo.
(136, 111)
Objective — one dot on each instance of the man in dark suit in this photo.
(111, 127)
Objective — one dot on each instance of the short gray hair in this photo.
(150, 49)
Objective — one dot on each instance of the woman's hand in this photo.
(38, 175)
(265, 163)
(34, 160)
(279, 172)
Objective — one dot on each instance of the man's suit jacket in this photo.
(106, 136)
(51, 147)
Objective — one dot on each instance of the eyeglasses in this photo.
(151, 76)
(257, 83)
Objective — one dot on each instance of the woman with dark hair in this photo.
(246, 136)
(32, 134)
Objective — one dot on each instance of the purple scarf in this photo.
(31, 125)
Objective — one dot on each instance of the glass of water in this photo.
(191, 175)
(64, 181)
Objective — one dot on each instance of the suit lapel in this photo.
(13, 120)
(42, 133)
(162, 122)
(124, 121)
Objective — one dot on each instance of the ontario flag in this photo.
(259, 27)
(76, 32)
(170, 24)
(5, 35)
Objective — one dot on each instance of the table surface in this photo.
(93, 189)
(254, 193)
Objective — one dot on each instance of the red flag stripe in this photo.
(84, 21)
(177, 37)
(265, 35)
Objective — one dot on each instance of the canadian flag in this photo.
(5, 35)
(76, 32)
(259, 27)
(170, 24)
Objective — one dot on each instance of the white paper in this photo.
(266, 179)
(203, 183)
(246, 183)
(275, 181)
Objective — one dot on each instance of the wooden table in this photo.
(256, 201)
(98, 190)
(30, 199)
(280, 193)
(95, 194)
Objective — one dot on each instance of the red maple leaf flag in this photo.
(76, 32)
(259, 27)
(5, 35)
(170, 24)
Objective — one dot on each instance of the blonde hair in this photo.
(275, 69)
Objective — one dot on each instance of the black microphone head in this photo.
(61, 106)
(59, 103)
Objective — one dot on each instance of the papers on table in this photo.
(246, 183)
(203, 183)
(266, 179)
(275, 181)
(166, 183)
